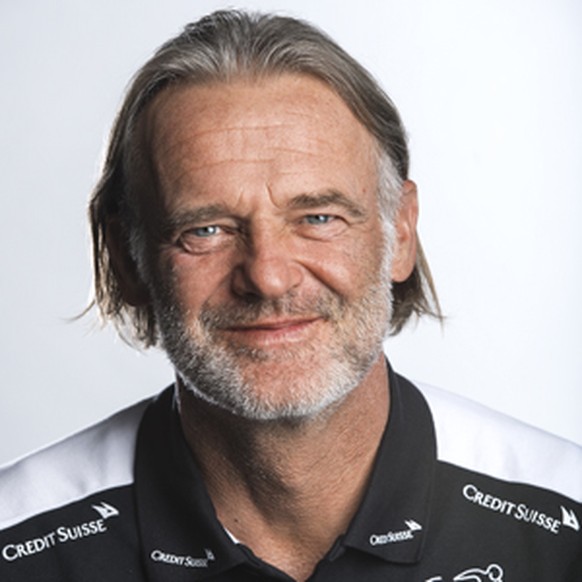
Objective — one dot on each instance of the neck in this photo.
(288, 489)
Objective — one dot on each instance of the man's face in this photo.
(270, 271)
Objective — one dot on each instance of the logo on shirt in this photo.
(569, 518)
(184, 561)
(105, 510)
(521, 511)
(61, 535)
(493, 573)
(392, 537)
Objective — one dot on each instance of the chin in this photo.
(276, 391)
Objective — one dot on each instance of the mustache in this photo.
(327, 306)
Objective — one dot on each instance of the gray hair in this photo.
(221, 47)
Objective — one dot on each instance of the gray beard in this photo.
(217, 371)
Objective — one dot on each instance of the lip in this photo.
(271, 332)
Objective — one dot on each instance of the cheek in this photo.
(348, 269)
(192, 281)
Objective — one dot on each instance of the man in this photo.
(255, 218)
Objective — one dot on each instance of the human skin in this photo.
(265, 194)
(264, 190)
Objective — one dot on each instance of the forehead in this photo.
(289, 125)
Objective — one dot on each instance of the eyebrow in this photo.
(326, 198)
(178, 220)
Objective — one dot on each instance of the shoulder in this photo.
(474, 437)
(97, 458)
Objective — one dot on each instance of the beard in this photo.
(295, 382)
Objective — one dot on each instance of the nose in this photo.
(268, 267)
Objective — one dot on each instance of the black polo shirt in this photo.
(458, 493)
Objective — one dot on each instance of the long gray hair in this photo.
(223, 46)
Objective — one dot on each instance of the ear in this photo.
(133, 290)
(405, 244)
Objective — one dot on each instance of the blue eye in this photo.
(205, 231)
(317, 219)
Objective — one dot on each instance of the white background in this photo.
(491, 93)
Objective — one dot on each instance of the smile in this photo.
(271, 332)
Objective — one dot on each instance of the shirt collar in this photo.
(181, 533)
(392, 521)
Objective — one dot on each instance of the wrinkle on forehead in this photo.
(185, 142)
(194, 129)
